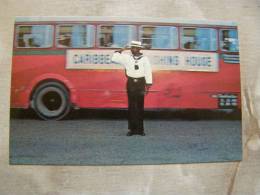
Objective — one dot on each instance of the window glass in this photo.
(75, 36)
(116, 36)
(159, 37)
(199, 39)
(35, 36)
(229, 40)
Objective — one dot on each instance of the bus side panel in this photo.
(90, 88)
(107, 88)
(30, 70)
(101, 88)
(179, 89)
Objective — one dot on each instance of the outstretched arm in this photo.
(117, 56)
(122, 49)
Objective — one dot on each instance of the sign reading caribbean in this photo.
(160, 60)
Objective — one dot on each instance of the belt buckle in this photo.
(135, 80)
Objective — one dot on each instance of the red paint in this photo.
(106, 88)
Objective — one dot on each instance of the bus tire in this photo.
(51, 101)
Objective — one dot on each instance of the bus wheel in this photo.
(51, 101)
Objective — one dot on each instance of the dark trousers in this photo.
(135, 92)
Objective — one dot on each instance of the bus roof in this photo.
(121, 19)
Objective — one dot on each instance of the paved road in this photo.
(99, 141)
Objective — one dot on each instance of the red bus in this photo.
(61, 63)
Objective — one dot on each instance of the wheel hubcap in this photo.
(52, 100)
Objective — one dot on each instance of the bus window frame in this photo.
(99, 30)
(21, 25)
(57, 30)
(199, 50)
(150, 25)
(219, 42)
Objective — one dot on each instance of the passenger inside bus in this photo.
(225, 40)
(147, 37)
(64, 40)
(189, 45)
(36, 36)
(27, 40)
(106, 39)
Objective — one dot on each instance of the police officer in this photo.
(139, 80)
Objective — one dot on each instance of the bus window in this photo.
(159, 37)
(229, 40)
(199, 39)
(34, 36)
(75, 36)
(116, 36)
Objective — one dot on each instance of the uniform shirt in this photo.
(129, 62)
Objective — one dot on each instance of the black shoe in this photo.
(129, 133)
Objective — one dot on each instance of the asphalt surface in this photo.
(92, 140)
